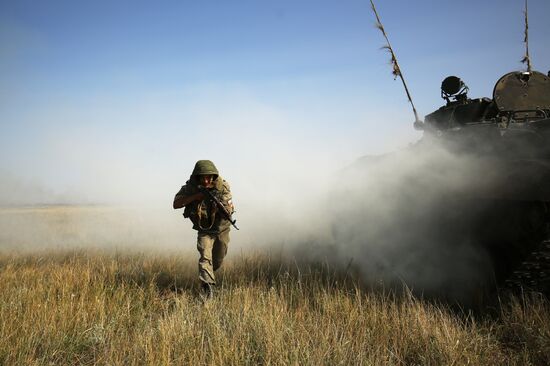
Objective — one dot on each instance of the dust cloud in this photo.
(394, 218)
(391, 217)
(407, 219)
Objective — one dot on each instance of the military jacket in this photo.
(204, 215)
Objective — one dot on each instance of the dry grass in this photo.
(102, 307)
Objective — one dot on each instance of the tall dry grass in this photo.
(85, 307)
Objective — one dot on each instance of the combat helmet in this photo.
(205, 167)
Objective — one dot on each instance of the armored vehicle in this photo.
(510, 134)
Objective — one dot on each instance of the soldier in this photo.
(207, 218)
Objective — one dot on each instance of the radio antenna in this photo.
(396, 70)
(526, 59)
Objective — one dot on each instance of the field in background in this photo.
(64, 227)
(127, 305)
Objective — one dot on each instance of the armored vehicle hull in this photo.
(510, 134)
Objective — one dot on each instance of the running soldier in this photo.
(199, 196)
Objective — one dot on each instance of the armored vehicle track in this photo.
(534, 272)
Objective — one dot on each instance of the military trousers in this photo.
(212, 249)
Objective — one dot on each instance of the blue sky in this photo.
(99, 96)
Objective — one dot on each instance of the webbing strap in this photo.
(213, 216)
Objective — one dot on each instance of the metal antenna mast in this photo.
(396, 69)
(526, 59)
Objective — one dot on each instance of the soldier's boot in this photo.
(207, 290)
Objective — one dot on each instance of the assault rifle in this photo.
(212, 198)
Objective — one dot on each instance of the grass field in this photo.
(133, 307)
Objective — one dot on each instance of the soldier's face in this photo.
(206, 180)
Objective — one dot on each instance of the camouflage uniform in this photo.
(213, 229)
